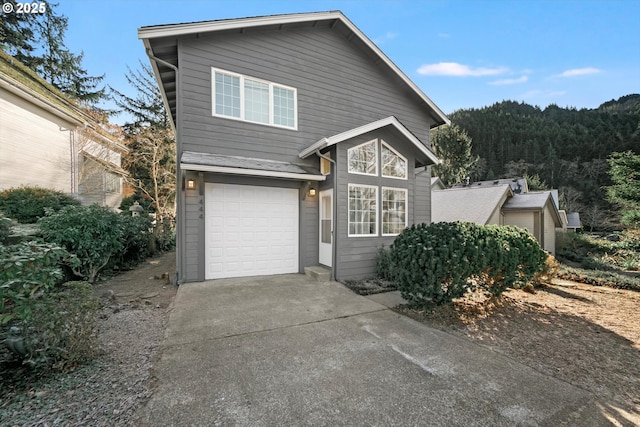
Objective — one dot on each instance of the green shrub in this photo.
(383, 264)
(127, 202)
(27, 204)
(433, 264)
(27, 270)
(93, 233)
(138, 241)
(60, 333)
(5, 229)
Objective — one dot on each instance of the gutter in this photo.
(334, 208)
(180, 250)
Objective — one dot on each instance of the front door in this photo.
(326, 227)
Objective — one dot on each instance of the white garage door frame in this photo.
(250, 230)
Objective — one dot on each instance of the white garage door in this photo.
(250, 230)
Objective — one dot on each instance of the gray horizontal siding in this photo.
(356, 257)
(339, 88)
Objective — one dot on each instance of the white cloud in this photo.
(544, 94)
(503, 82)
(389, 36)
(458, 70)
(579, 72)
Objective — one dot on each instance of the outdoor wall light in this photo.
(312, 192)
(191, 184)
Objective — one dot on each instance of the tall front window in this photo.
(394, 210)
(253, 100)
(363, 200)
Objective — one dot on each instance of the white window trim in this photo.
(406, 205)
(375, 144)
(377, 192)
(242, 99)
(406, 171)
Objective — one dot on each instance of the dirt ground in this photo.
(586, 335)
(149, 284)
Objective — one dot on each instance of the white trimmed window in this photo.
(394, 165)
(394, 210)
(253, 100)
(363, 202)
(363, 159)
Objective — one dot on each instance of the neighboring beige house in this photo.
(48, 141)
(497, 202)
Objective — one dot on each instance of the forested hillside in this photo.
(565, 147)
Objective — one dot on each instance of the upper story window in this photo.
(253, 100)
(394, 165)
(363, 159)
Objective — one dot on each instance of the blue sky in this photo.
(462, 54)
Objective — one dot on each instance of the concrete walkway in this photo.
(288, 351)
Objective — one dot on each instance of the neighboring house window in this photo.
(393, 164)
(363, 159)
(111, 183)
(254, 100)
(363, 200)
(394, 210)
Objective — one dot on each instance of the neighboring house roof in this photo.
(518, 185)
(107, 165)
(533, 201)
(573, 220)
(237, 165)
(389, 121)
(468, 204)
(437, 184)
(165, 53)
(23, 82)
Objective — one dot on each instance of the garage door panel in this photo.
(250, 230)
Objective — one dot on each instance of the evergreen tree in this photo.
(453, 146)
(151, 162)
(62, 68)
(37, 40)
(625, 191)
(18, 36)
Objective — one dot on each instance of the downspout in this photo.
(180, 251)
(334, 208)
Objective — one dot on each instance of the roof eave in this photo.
(174, 30)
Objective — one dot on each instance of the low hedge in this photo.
(433, 264)
(27, 204)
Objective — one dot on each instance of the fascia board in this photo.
(251, 172)
(369, 127)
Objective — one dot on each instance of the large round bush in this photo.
(433, 264)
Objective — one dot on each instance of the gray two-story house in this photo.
(299, 143)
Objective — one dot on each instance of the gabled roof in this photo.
(518, 185)
(437, 183)
(165, 57)
(573, 220)
(369, 127)
(469, 204)
(23, 82)
(533, 201)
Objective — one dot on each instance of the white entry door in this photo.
(326, 227)
(250, 230)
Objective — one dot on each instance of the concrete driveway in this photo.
(289, 351)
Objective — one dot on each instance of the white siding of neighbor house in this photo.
(520, 219)
(35, 146)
